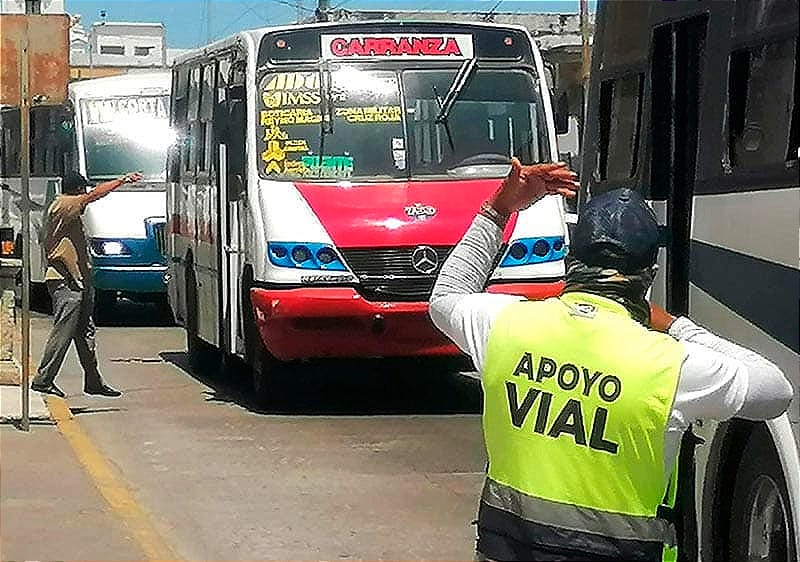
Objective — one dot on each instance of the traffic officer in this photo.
(586, 396)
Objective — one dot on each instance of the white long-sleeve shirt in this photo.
(718, 379)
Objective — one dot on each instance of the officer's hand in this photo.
(525, 185)
(660, 319)
(132, 177)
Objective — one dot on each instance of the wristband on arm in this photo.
(493, 215)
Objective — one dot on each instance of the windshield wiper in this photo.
(465, 72)
(444, 122)
(326, 110)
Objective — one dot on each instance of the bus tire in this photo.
(262, 374)
(761, 526)
(260, 362)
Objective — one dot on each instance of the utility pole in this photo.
(585, 55)
(25, 187)
(323, 7)
(208, 22)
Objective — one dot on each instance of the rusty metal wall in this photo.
(48, 37)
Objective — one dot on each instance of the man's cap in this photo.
(72, 181)
(618, 230)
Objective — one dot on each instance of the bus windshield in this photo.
(365, 129)
(126, 134)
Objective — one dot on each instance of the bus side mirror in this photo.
(569, 140)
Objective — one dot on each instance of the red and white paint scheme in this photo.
(278, 254)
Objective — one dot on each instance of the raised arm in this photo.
(458, 305)
(105, 188)
(733, 380)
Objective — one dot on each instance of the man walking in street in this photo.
(587, 396)
(69, 283)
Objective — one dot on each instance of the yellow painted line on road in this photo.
(110, 484)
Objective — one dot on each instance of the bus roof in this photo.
(255, 35)
(121, 85)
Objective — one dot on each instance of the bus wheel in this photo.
(761, 524)
(262, 369)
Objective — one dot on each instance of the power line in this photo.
(248, 10)
(295, 5)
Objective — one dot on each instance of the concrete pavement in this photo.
(350, 461)
(49, 507)
(11, 405)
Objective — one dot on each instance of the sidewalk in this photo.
(49, 507)
(11, 405)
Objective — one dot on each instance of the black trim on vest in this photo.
(505, 536)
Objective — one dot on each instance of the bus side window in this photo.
(205, 118)
(762, 112)
(620, 122)
(180, 105)
(234, 115)
(194, 124)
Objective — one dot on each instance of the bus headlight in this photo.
(109, 248)
(304, 255)
(526, 251)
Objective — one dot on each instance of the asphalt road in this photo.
(350, 460)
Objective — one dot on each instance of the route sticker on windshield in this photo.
(330, 167)
(399, 159)
(294, 116)
(372, 114)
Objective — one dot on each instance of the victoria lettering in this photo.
(395, 46)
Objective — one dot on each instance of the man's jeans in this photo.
(72, 322)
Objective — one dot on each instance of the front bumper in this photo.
(319, 322)
(130, 279)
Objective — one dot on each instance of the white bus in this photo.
(695, 105)
(324, 172)
(122, 125)
(109, 126)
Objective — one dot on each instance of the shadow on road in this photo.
(85, 410)
(127, 313)
(354, 388)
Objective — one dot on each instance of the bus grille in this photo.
(387, 274)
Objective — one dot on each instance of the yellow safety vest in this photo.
(577, 397)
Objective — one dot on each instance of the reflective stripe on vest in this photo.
(575, 518)
(577, 397)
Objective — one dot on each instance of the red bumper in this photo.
(337, 322)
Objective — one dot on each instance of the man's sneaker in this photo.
(102, 390)
(48, 389)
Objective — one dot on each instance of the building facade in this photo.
(110, 48)
(31, 6)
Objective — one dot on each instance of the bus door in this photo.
(676, 77)
(231, 110)
(677, 59)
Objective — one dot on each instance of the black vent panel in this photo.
(388, 274)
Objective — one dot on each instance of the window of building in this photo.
(112, 50)
(33, 6)
(762, 112)
(620, 122)
(142, 51)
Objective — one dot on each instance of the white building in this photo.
(31, 6)
(127, 44)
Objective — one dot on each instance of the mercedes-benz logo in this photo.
(424, 259)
